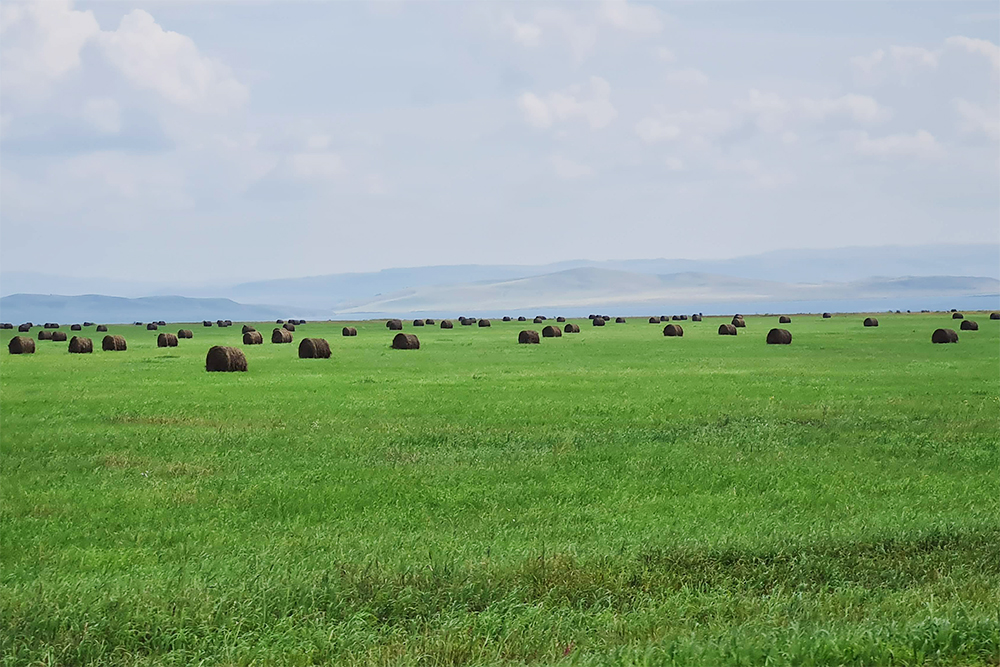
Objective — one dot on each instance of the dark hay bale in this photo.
(206, 323)
(779, 337)
(280, 335)
(418, 323)
(871, 322)
(484, 323)
(102, 327)
(429, 322)
(738, 322)
(394, 325)
(528, 336)
(619, 320)
(59, 336)
(995, 316)
(696, 317)
(185, 333)
(247, 327)
(506, 318)
(6, 325)
(253, 338)
(75, 327)
(21, 345)
(606, 318)
(560, 319)
(551, 332)
(953, 310)
(166, 340)
(220, 323)
(675, 318)
(114, 344)
(673, 330)
(944, 336)
(403, 341)
(152, 326)
(784, 319)
(727, 330)
(522, 318)
(23, 328)
(288, 326)
(138, 324)
(163, 324)
(684, 318)
(827, 316)
(969, 325)
(537, 320)
(957, 316)
(571, 328)
(654, 320)
(598, 321)
(664, 318)
(314, 348)
(279, 321)
(81, 345)
(446, 324)
(225, 359)
(590, 317)
(466, 322)
(51, 325)
(541, 317)
(44, 335)
(88, 324)
(349, 331)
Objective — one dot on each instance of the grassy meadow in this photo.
(612, 497)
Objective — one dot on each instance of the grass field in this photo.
(612, 497)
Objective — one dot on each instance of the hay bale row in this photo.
(225, 359)
(727, 330)
(779, 337)
(253, 338)
(571, 328)
(185, 333)
(673, 330)
(528, 337)
(280, 335)
(551, 332)
(166, 340)
(944, 336)
(969, 325)
(81, 345)
(314, 348)
(21, 345)
(870, 322)
(404, 341)
(114, 344)
(350, 331)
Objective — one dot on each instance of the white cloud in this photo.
(867, 64)
(688, 76)
(631, 17)
(758, 176)
(590, 102)
(652, 130)
(170, 65)
(693, 126)
(569, 170)
(104, 114)
(921, 144)
(976, 119)
(317, 166)
(914, 55)
(525, 34)
(978, 46)
(579, 24)
(769, 110)
(860, 108)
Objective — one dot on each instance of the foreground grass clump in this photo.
(612, 497)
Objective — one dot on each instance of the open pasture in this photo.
(612, 497)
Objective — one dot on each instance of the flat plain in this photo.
(613, 497)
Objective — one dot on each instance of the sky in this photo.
(252, 140)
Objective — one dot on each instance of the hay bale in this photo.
(152, 326)
(163, 324)
(88, 324)
(23, 328)
(969, 325)
(827, 316)
(537, 320)
(225, 359)
(288, 326)
(429, 322)
(81, 345)
(75, 327)
(571, 328)
(606, 318)
(394, 325)
(528, 337)
(220, 323)
(418, 323)
(279, 321)
(654, 320)
(206, 323)
(21, 345)
(673, 330)
(598, 322)
(506, 318)
(944, 336)
(114, 344)
(779, 337)
(403, 341)
(50, 325)
(541, 317)
(446, 324)
(280, 335)
(466, 322)
(185, 333)
(247, 328)
(484, 323)
(696, 317)
(6, 325)
(784, 319)
(727, 330)
(522, 318)
(166, 340)
(102, 327)
(870, 322)
(560, 319)
(59, 336)
(590, 317)
(349, 331)
(675, 318)
(995, 316)
(551, 332)
(314, 348)
(738, 322)
(44, 334)
(619, 320)
(683, 318)
(957, 316)
(253, 338)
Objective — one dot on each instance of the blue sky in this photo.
(225, 140)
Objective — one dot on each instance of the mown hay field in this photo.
(613, 497)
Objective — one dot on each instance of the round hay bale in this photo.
(51, 325)
(675, 318)
(654, 320)
(944, 336)
(506, 318)
(247, 327)
(6, 325)
(253, 338)
(784, 319)
(738, 322)
(522, 318)
(23, 328)
(280, 335)
(418, 323)
(152, 326)
(779, 337)
(537, 320)
(314, 348)
(560, 319)
(446, 324)
(484, 323)
(75, 327)
(673, 330)
(166, 340)
(279, 321)
(528, 337)
(114, 343)
(551, 332)
(466, 322)
(590, 317)
(394, 325)
(429, 322)
(969, 325)
(81, 345)
(827, 316)
(403, 341)
(59, 336)
(44, 334)
(349, 331)
(606, 318)
(541, 317)
(571, 328)
(683, 318)
(598, 322)
(163, 324)
(206, 323)
(21, 345)
(102, 328)
(870, 322)
(696, 317)
(88, 324)
(619, 320)
(727, 330)
(288, 326)
(957, 316)
(225, 359)
(185, 333)
(995, 316)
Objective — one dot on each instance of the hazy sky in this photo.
(265, 139)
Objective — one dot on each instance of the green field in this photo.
(612, 497)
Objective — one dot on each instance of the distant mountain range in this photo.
(844, 279)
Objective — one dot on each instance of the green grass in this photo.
(608, 498)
